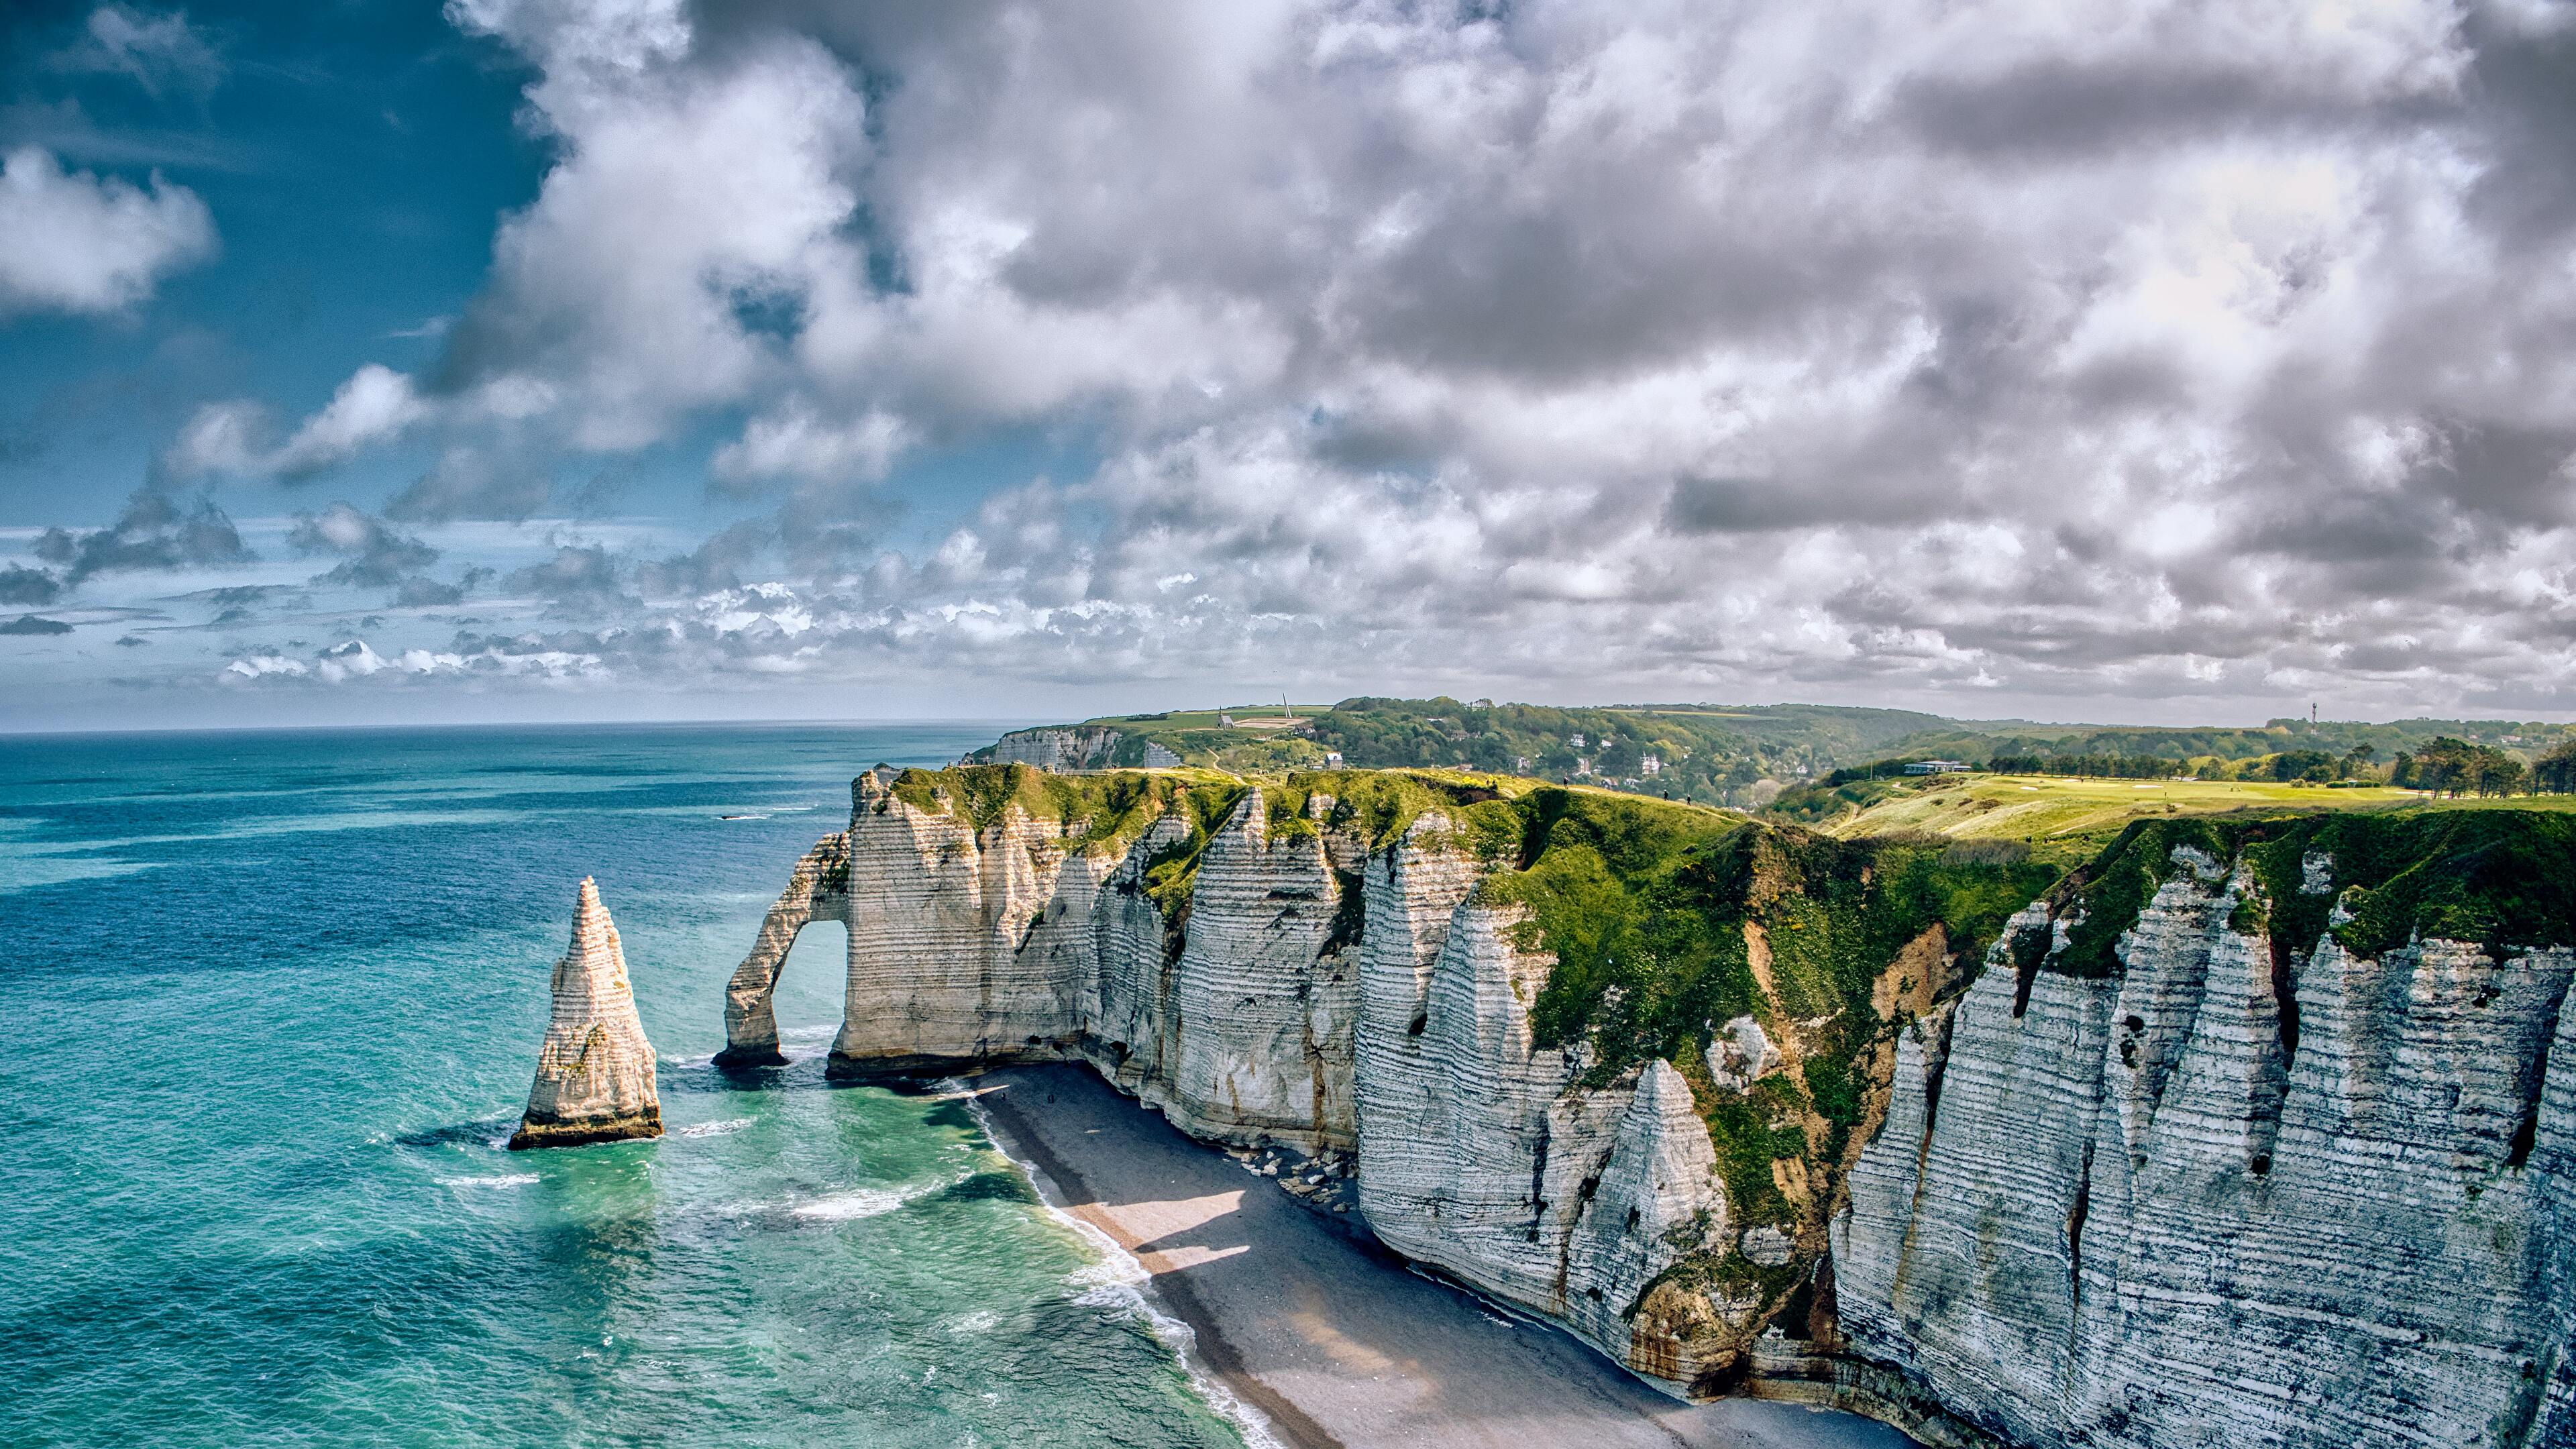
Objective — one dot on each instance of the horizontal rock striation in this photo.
(2224, 1143)
(1265, 971)
(1480, 1155)
(595, 1070)
(817, 890)
(2228, 1194)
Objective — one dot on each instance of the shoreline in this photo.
(1334, 1341)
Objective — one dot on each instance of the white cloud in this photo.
(156, 52)
(78, 242)
(2151, 347)
(223, 437)
(373, 406)
(353, 660)
(795, 443)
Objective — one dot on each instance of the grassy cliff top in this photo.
(2496, 874)
(2069, 820)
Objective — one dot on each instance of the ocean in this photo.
(269, 1003)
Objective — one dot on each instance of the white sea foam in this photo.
(844, 1207)
(512, 1179)
(717, 1129)
(804, 1043)
(868, 1202)
(1120, 1284)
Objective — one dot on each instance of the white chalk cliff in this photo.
(2135, 1211)
(595, 1070)
(2141, 1207)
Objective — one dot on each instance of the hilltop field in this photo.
(2065, 820)
(1786, 757)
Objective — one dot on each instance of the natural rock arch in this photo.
(818, 891)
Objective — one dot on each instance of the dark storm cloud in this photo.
(715, 564)
(2525, 83)
(32, 625)
(371, 554)
(156, 532)
(22, 585)
(469, 483)
(576, 581)
(423, 592)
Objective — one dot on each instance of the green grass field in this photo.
(2045, 811)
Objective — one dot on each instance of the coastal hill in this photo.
(2179, 1120)
(1733, 755)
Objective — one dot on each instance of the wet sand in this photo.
(1330, 1337)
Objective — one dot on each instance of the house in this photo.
(1520, 764)
(1332, 759)
(1650, 766)
(1937, 767)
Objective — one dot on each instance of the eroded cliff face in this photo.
(2224, 1143)
(595, 1069)
(1265, 970)
(1229, 1001)
(2229, 1192)
(1481, 1155)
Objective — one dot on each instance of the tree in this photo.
(2303, 765)
(2447, 766)
(2497, 773)
(2555, 772)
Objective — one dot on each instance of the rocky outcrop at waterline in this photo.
(595, 1071)
(2249, 1133)
(818, 889)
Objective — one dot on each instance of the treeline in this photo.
(2447, 766)
(2442, 765)
(2328, 739)
(2117, 767)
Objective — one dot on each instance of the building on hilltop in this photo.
(1937, 767)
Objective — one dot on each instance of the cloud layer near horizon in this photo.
(1700, 349)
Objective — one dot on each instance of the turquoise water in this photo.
(268, 1003)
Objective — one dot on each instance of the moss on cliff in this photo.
(2503, 878)
(1645, 907)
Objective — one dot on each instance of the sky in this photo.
(539, 359)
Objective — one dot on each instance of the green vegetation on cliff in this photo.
(2503, 878)
(1645, 907)
(1106, 812)
(1666, 920)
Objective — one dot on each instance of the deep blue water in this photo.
(268, 1001)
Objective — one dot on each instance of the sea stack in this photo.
(595, 1072)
